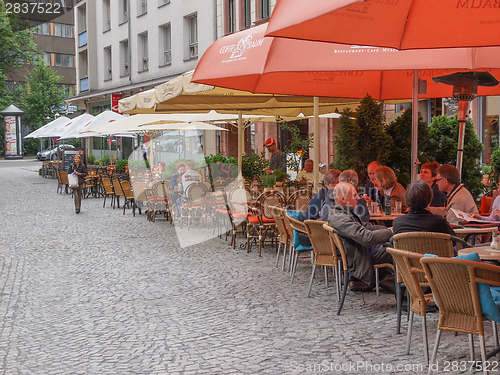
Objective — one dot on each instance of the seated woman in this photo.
(419, 219)
(386, 182)
(495, 211)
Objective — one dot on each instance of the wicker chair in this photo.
(117, 189)
(324, 253)
(409, 268)
(299, 200)
(128, 195)
(454, 283)
(157, 201)
(237, 210)
(440, 244)
(261, 224)
(195, 196)
(336, 243)
(300, 227)
(283, 233)
(108, 189)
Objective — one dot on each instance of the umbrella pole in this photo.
(240, 141)
(414, 129)
(316, 144)
(462, 109)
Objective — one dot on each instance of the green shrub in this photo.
(91, 159)
(105, 160)
(120, 165)
(253, 166)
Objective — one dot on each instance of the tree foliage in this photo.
(40, 94)
(443, 144)
(16, 48)
(400, 156)
(367, 141)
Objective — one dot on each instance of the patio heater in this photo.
(465, 90)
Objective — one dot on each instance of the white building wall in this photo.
(173, 12)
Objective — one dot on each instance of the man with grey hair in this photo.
(316, 203)
(362, 241)
(351, 177)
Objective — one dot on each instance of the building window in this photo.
(230, 17)
(124, 58)
(265, 11)
(40, 28)
(65, 31)
(247, 18)
(143, 52)
(82, 19)
(165, 45)
(123, 11)
(142, 7)
(192, 26)
(106, 15)
(107, 64)
(63, 60)
(47, 58)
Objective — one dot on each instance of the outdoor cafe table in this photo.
(467, 232)
(381, 218)
(484, 252)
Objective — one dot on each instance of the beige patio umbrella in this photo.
(180, 94)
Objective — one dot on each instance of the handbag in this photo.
(72, 181)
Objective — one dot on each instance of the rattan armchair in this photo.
(128, 195)
(238, 197)
(336, 243)
(299, 227)
(440, 244)
(410, 269)
(283, 233)
(299, 200)
(455, 283)
(261, 223)
(324, 253)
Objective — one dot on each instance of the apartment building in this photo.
(126, 46)
(55, 39)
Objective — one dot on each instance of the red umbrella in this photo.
(402, 24)
(249, 61)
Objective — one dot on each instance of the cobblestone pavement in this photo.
(106, 293)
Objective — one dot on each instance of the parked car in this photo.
(53, 154)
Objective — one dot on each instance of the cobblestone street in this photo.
(105, 293)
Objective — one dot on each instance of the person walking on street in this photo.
(80, 170)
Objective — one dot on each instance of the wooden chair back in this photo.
(107, 185)
(117, 188)
(336, 244)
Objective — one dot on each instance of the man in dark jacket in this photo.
(362, 241)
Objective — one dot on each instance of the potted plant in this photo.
(268, 181)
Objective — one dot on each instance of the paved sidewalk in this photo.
(106, 293)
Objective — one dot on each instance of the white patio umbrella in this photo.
(72, 128)
(57, 123)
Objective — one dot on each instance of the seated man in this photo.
(307, 173)
(457, 196)
(362, 241)
(316, 203)
(190, 176)
(351, 177)
(371, 192)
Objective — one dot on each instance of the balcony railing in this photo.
(84, 84)
(82, 38)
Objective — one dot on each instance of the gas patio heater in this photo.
(465, 90)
